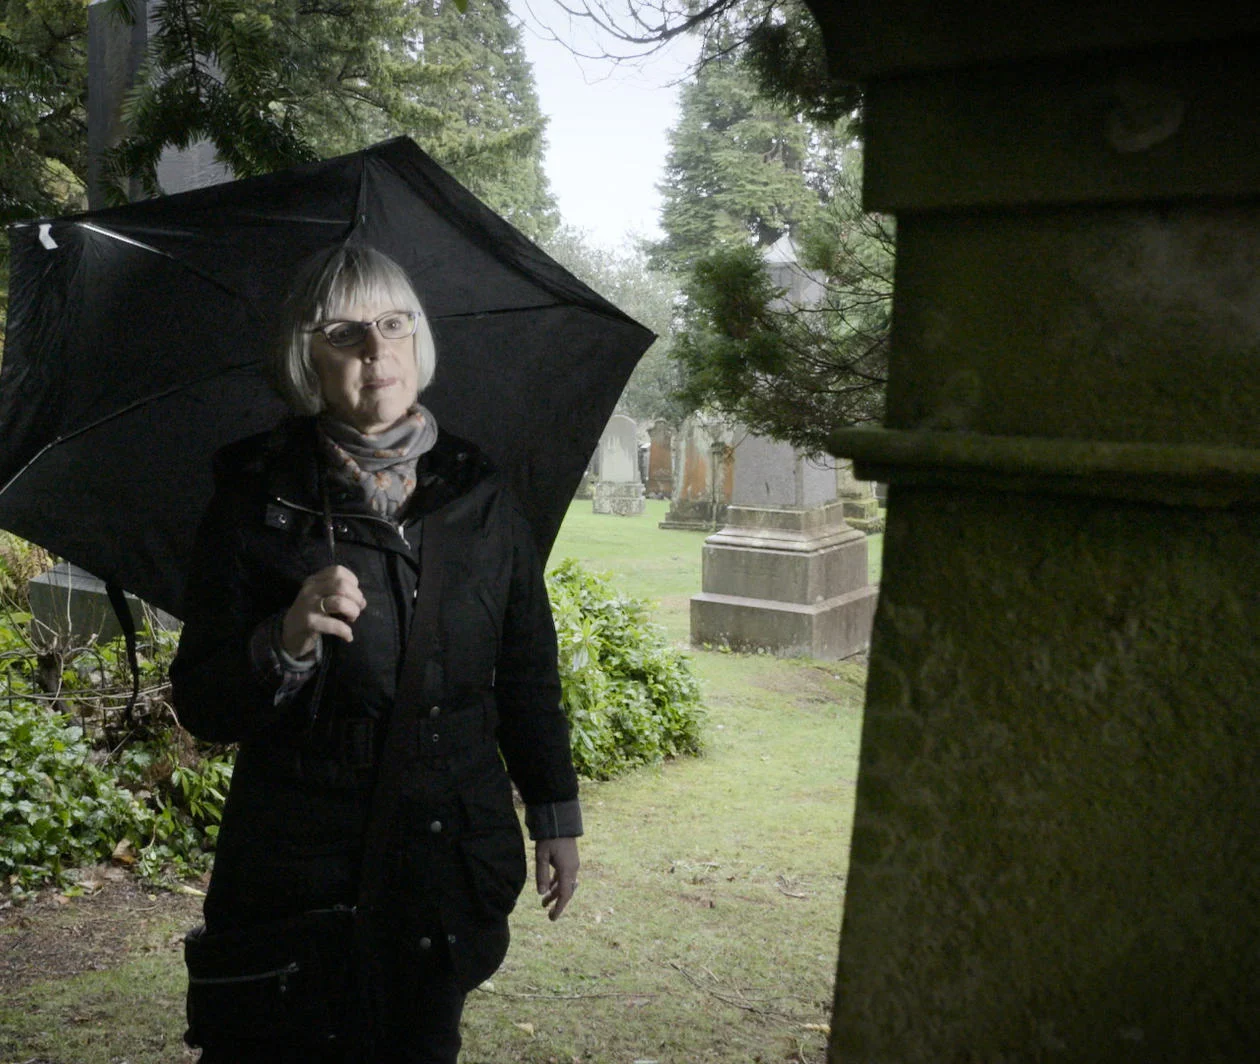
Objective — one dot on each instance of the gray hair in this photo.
(324, 287)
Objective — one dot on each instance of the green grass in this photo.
(706, 925)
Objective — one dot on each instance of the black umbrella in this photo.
(134, 339)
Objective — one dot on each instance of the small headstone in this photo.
(660, 471)
(619, 489)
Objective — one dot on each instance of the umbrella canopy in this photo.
(135, 336)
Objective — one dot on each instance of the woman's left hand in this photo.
(556, 869)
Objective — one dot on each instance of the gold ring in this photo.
(322, 608)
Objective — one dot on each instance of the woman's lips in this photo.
(376, 385)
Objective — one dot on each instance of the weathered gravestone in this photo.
(785, 573)
(703, 474)
(618, 489)
(72, 604)
(660, 470)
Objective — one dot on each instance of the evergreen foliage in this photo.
(736, 170)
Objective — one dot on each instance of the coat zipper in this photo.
(398, 527)
(282, 974)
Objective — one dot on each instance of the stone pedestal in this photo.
(624, 500)
(786, 573)
(791, 581)
(861, 507)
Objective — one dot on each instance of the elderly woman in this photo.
(325, 540)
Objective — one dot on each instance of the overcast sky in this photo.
(606, 141)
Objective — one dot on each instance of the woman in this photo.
(305, 579)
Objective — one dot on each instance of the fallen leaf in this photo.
(823, 1028)
(184, 888)
(528, 1028)
(122, 853)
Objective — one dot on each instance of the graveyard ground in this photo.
(705, 928)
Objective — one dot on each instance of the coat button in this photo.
(450, 939)
(435, 711)
(437, 737)
(426, 942)
(436, 827)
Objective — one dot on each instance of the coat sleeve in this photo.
(218, 692)
(533, 730)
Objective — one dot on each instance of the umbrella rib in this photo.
(208, 278)
(517, 310)
(65, 438)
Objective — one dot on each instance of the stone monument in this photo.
(660, 471)
(703, 475)
(861, 507)
(73, 605)
(618, 489)
(1056, 845)
(785, 573)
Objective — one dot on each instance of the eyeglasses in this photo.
(392, 325)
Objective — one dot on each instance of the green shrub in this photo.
(630, 697)
(80, 782)
(57, 808)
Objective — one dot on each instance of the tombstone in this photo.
(660, 465)
(861, 507)
(73, 604)
(702, 477)
(618, 489)
(786, 573)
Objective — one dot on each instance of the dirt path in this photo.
(52, 936)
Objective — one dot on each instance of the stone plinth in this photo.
(74, 605)
(791, 581)
(624, 500)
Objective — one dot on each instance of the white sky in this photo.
(606, 141)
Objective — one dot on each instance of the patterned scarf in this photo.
(380, 468)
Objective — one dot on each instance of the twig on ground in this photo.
(566, 997)
(738, 999)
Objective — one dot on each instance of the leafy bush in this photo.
(80, 781)
(630, 697)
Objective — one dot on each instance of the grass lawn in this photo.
(705, 928)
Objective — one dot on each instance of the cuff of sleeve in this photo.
(273, 666)
(554, 820)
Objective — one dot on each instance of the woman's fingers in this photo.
(328, 603)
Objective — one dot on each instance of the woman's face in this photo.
(370, 384)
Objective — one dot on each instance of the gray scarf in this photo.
(380, 468)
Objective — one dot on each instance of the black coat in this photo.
(293, 827)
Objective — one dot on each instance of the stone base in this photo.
(585, 489)
(875, 524)
(789, 580)
(695, 516)
(73, 604)
(861, 508)
(624, 500)
(834, 628)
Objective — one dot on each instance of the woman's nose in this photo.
(371, 346)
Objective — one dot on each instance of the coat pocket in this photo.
(491, 846)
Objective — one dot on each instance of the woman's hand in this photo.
(328, 603)
(555, 870)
